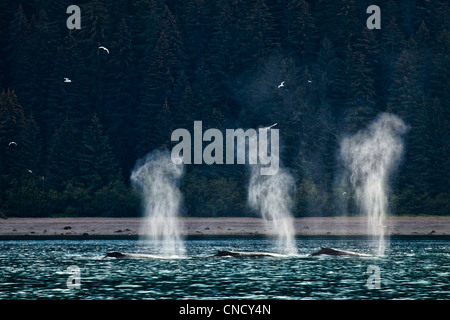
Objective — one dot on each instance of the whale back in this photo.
(115, 254)
(336, 252)
(225, 253)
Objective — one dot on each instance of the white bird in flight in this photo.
(267, 128)
(12, 143)
(67, 80)
(102, 47)
(281, 85)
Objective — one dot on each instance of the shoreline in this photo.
(222, 226)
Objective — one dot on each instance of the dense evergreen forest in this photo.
(67, 148)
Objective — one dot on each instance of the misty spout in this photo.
(158, 178)
(370, 156)
(272, 196)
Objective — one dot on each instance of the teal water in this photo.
(411, 269)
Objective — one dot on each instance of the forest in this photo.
(68, 146)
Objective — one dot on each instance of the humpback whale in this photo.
(220, 253)
(119, 255)
(225, 253)
(336, 252)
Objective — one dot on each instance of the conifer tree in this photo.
(440, 111)
(404, 92)
(392, 40)
(33, 148)
(160, 81)
(62, 164)
(119, 115)
(326, 70)
(302, 39)
(259, 40)
(19, 56)
(438, 148)
(355, 91)
(97, 163)
(12, 129)
(12, 146)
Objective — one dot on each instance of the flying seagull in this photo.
(102, 47)
(266, 128)
(12, 143)
(281, 85)
(67, 80)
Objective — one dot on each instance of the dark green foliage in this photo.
(12, 129)
(96, 160)
(62, 165)
(174, 62)
(212, 196)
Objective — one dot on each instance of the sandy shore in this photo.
(313, 226)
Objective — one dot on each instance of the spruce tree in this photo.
(257, 34)
(160, 82)
(33, 148)
(302, 38)
(439, 147)
(12, 130)
(13, 158)
(440, 111)
(354, 91)
(408, 100)
(392, 41)
(62, 161)
(97, 163)
(20, 54)
(326, 70)
(121, 97)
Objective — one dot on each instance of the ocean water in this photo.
(412, 268)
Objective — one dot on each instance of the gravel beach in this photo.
(310, 226)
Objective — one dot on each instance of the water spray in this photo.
(158, 178)
(272, 196)
(370, 156)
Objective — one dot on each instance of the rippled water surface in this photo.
(410, 269)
